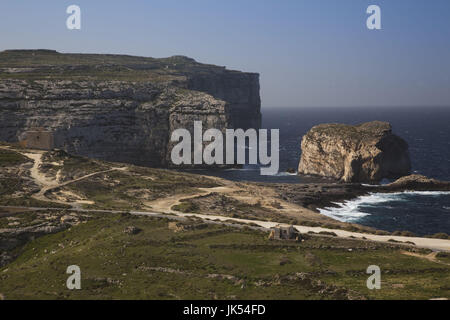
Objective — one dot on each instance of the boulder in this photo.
(367, 152)
(132, 230)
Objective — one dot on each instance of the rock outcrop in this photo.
(367, 152)
(417, 182)
(119, 108)
(21, 230)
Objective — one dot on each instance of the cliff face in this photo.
(120, 108)
(367, 152)
(240, 90)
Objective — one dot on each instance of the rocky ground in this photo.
(55, 207)
(18, 227)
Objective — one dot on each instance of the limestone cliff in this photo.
(367, 152)
(120, 108)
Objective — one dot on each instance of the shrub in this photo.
(403, 234)
(308, 223)
(351, 228)
(11, 158)
(276, 205)
(327, 233)
(441, 235)
(186, 207)
(408, 234)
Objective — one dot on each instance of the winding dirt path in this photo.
(434, 244)
(165, 205)
(430, 257)
(41, 194)
(38, 177)
(48, 184)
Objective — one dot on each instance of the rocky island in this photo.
(116, 107)
(368, 152)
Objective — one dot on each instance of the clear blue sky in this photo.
(308, 52)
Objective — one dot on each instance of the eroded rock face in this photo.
(90, 113)
(368, 152)
(418, 182)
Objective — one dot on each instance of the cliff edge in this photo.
(117, 107)
(368, 152)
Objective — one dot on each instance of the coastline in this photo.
(57, 196)
(263, 204)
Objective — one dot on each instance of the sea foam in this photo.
(353, 210)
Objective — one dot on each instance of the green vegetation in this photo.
(9, 185)
(212, 262)
(404, 234)
(129, 257)
(10, 158)
(11, 182)
(328, 233)
(131, 189)
(29, 202)
(71, 167)
(216, 203)
(50, 65)
(444, 257)
(186, 207)
(441, 235)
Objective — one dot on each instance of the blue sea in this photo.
(426, 129)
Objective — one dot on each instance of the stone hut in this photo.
(37, 138)
(284, 232)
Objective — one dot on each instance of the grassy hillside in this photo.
(11, 158)
(122, 256)
(210, 262)
(50, 64)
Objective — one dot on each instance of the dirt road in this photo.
(162, 207)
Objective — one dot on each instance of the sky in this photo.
(309, 53)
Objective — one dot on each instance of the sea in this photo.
(427, 131)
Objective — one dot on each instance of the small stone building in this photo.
(284, 232)
(37, 138)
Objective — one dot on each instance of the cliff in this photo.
(367, 152)
(120, 108)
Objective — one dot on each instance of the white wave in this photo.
(352, 210)
(426, 193)
(285, 174)
(241, 169)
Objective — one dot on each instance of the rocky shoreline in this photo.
(320, 195)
